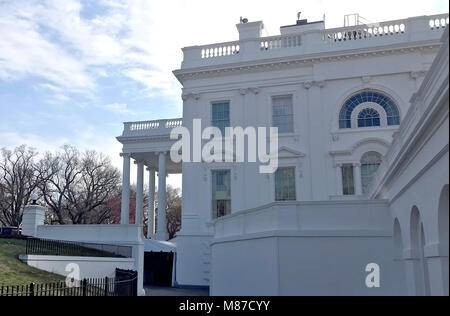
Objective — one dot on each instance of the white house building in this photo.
(345, 101)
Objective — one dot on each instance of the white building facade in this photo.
(338, 98)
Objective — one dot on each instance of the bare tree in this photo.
(79, 192)
(19, 178)
(173, 212)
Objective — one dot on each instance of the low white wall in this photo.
(125, 235)
(90, 267)
(317, 248)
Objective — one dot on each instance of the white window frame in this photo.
(219, 101)
(280, 96)
(211, 171)
(295, 183)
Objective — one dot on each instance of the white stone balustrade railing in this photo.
(148, 127)
(317, 41)
(276, 42)
(219, 50)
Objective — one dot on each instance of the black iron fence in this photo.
(45, 247)
(124, 284)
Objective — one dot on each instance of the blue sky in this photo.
(72, 71)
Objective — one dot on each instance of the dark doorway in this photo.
(158, 268)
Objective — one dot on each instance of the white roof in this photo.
(151, 245)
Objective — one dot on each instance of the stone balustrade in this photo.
(149, 128)
(317, 41)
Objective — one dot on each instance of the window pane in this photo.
(370, 163)
(221, 116)
(283, 114)
(348, 181)
(388, 105)
(221, 193)
(368, 117)
(285, 185)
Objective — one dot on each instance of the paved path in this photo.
(170, 291)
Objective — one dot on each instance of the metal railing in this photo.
(124, 284)
(45, 247)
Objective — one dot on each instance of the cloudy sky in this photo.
(71, 71)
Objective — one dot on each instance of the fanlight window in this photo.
(368, 118)
(369, 96)
(370, 163)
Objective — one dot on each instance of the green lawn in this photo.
(14, 272)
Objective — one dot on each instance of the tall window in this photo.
(370, 163)
(348, 181)
(285, 184)
(368, 117)
(221, 116)
(221, 193)
(369, 96)
(283, 114)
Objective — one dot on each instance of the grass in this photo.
(14, 272)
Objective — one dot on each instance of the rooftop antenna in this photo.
(244, 20)
(299, 15)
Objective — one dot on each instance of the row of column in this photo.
(125, 210)
(356, 178)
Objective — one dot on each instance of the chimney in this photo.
(250, 30)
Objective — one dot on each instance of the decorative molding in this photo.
(264, 65)
(254, 90)
(243, 91)
(308, 84)
(366, 79)
(417, 74)
(187, 96)
(321, 84)
(291, 152)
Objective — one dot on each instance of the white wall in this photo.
(126, 235)
(90, 267)
(415, 179)
(305, 248)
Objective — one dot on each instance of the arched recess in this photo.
(398, 240)
(417, 237)
(443, 220)
(344, 95)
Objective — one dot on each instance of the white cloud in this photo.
(51, 40)
(119, 108)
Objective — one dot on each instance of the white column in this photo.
(151, 203)
(125, 210)
(357, 178)
(161, 230)
(139, 193)
(340, 185)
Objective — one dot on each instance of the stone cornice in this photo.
(139, 139)
(298, 61)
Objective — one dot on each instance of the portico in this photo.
(149, 145)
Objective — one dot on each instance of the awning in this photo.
(151, 245)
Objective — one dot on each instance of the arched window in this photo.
(370, 163)
(368, 117)
(369, 96)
